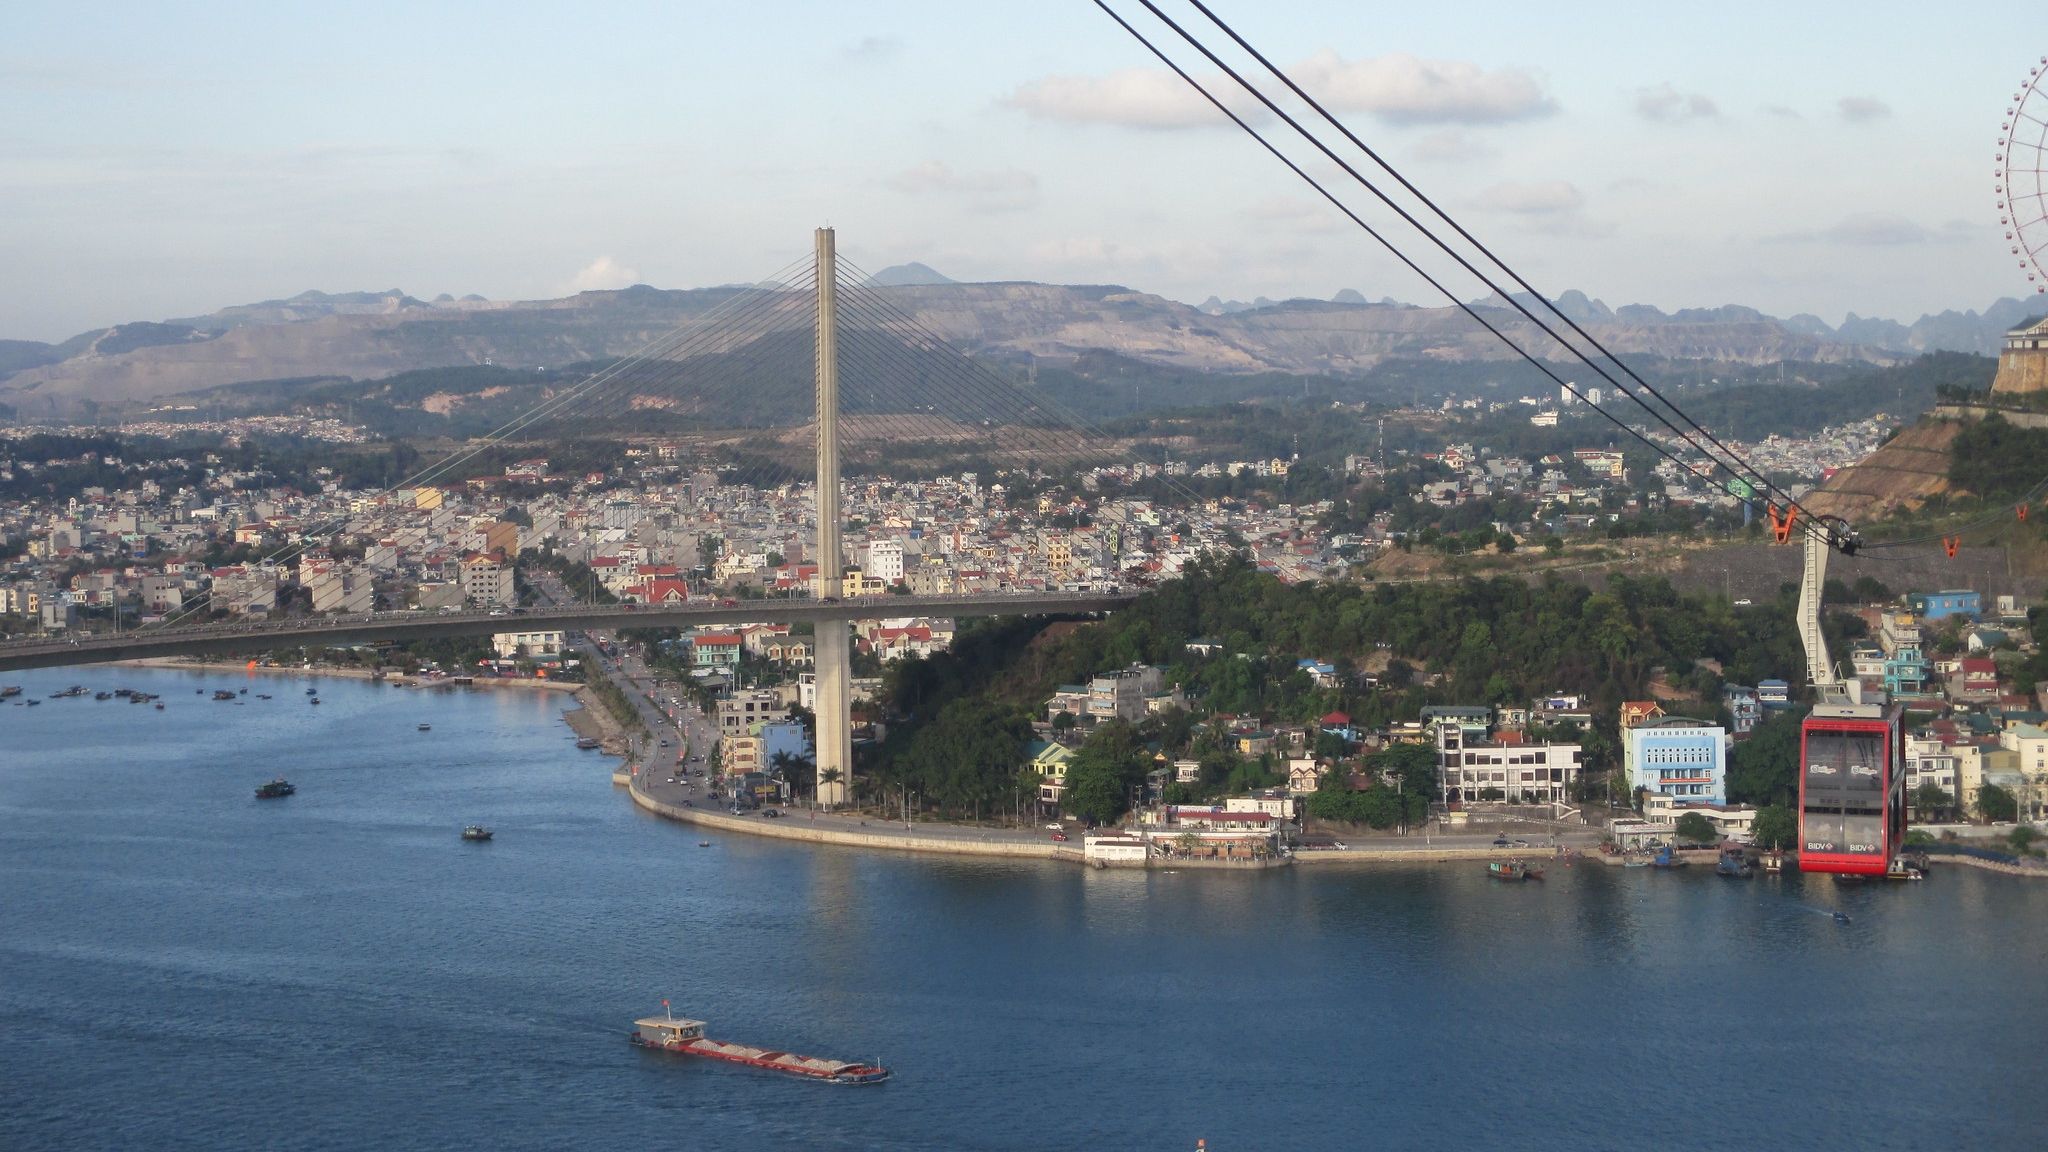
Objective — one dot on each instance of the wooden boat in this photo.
(1508, 870)
(476, 832)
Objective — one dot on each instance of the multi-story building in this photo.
(740, 712)
(885, 560)
(1121, 695)
(342, 588)
(1470, 767)
(1679, 757)
(533, 645)
(487, 580)
(715, 650)
(244, 591)
(1946, 603)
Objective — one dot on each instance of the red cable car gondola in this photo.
(1852, 789)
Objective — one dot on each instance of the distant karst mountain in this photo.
(372, 335)
(907, 275)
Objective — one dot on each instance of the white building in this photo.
(487, 580)
(885, 560)
(534, 645)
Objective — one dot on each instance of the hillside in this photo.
(1903, 475)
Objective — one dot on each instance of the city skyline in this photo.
(1792, 161)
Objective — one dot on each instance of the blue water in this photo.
(183, 966)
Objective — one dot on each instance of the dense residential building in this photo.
(533, 645)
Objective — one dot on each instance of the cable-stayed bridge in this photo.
(769, 391)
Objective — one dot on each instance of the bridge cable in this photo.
(1805, 522)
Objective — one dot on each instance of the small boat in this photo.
(476, 832)
(159, 707)
(312, 691)
(426, 727)
(245, 691)
(587, 743)
(263, 695)
(703, 843)
(103, 695)
(276, 789)
(1508, 870)
(314, 700)
(1733, 862)
(1841, 917)
(1774, 861)
(1666, 858)
(223, 694)
(673, 1034)
(33, 703)
(10, 692)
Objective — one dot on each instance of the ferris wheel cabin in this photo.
(1852, 789)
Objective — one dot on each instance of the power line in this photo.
(1394, 249)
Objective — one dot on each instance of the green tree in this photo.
(1931, 799)
(2022, 839)
(1695, 828)
(1997, 804)
(1103, 773)
(1764, 769)
(1775, 827)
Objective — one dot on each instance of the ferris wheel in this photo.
(2023, 176)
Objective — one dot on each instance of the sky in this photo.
(162, 160)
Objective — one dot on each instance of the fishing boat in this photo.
(476, 832)
(673, 1034)
(314, 700)
(10, 692)
(312, 691)
(276, 789)
(1733, 862)
(1666, 858)
(223, 694)
(703, 843)
(587, 743)
(103, 695)
(426, 727)
(1508, 870)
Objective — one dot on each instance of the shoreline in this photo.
(329, 672)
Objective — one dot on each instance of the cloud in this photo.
(1396, 88)
(1403, 89)
(1006, 190)
(1543, 198)
(1295, 214)
(1450, 145)
(1783, 112)
(1131, 98)
(1555, 207)
(1667, 104)
(872, 49)
(1862, 109)
(1877, 231)
(603, 274)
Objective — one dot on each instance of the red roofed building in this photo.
(716, 650)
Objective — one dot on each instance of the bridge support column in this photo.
(831, 650)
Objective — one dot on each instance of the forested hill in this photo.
(1470, 642)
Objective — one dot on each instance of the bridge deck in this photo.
(265, 635)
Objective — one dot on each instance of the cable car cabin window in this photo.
(1844, 797)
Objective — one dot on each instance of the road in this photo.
(565, 614)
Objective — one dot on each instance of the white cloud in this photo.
(1132, 98)
(1295, 214)
(1396, 88)
(1783, 112)
(1667, 104)
(1862, 109)
(1877, 230)
(1403, 89)
(1542, 198)
(1005, 190)
(1450, 145)
(603, 274)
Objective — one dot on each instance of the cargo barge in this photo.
(674, 1034)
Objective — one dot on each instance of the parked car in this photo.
(1055, 827)
(1060, 836)
(1500, 841)
(770, 812)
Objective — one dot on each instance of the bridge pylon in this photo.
(831, 666)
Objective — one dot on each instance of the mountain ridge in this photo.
(380, 333)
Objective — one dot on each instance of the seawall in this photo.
(798, 830)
